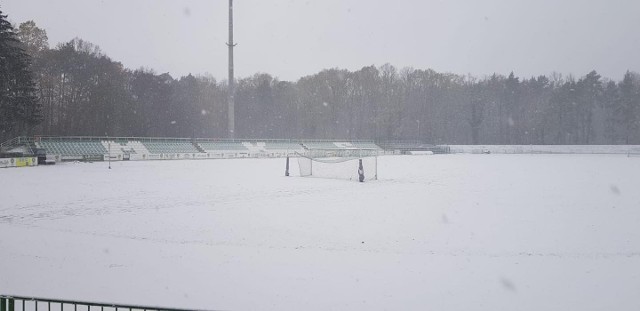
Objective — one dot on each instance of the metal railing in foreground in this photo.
(18, 303)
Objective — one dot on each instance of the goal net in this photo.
(352, 164)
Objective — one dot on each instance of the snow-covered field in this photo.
(547, 149)
(451, 232)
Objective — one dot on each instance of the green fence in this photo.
(17, 303)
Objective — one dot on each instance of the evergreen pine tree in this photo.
(628, 109)
(19, 105)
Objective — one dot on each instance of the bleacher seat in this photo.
(72, 148)
(341, 145)
(321, 145)
(404, 146)
(161, 146)
(211, 146)
(283, 146)
(366, 145)
(125, 147)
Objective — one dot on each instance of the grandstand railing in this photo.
(15, 142)
(413, 145)
(302, 143)
(18, 303)
(23, 139)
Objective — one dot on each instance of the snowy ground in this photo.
(451, 232)
(548, 149)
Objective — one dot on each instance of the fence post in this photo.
(12, 305)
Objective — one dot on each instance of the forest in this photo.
(74, 89)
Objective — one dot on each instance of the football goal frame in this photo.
(349, 164)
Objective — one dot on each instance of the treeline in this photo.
(81, 91)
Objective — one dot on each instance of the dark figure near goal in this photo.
(360, 171)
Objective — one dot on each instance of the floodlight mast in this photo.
(109, 152)
(230, 98)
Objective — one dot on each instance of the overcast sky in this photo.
(293, 38)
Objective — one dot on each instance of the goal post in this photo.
(350, 164)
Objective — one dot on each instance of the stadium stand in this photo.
(279, 146)
(254, 147)
(365, 145)
(136, 147)
(141, 148)
(405, 147)
(170, 146)
(340, 145)
(217, 146)
(72, 148)
(320, 145)
(125, 147)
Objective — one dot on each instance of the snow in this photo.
(547, 149)
(450, 232)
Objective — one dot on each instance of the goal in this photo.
(351, 164)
